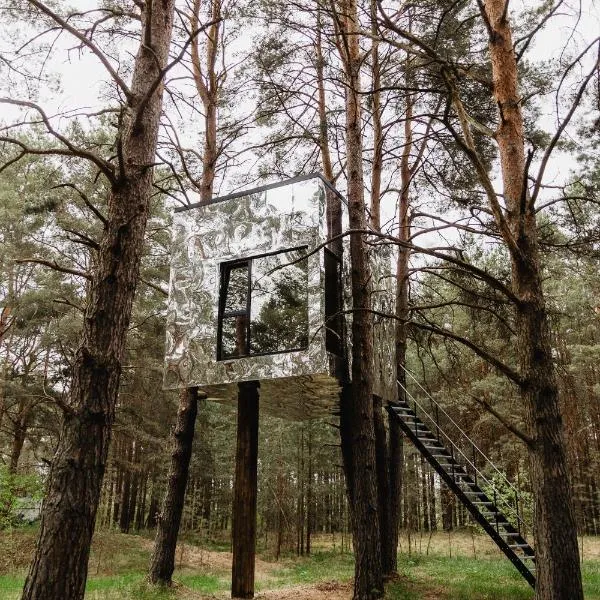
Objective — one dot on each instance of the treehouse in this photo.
(260, 310)
(257, 293)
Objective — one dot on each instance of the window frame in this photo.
(224, 279)
(225, 269)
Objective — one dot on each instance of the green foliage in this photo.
(14, 489)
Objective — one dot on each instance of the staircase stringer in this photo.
(451, 482)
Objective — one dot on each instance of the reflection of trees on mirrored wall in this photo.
(234, 319)
(277, 309)
(279, 317)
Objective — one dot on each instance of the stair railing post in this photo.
(474, 463)
(415, 417)
(437, 421)
(496, 511)
(518, 515)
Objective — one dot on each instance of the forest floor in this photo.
(458, 566)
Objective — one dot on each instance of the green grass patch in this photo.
(591, 579)
(119, 563)
(10, 586)
(114, 582)
(115, 553)
(124, 588)
(463, 578)
(319, 566)
(206, 584)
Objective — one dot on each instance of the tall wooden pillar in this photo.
(245, 492)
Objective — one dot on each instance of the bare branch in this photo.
(69, 150)
(86, 201)
(565, 122)
(510, 426)
(55, 266)
(86, 42)
(511, 373)
(154, 287)
(156, 83)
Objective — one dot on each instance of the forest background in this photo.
(285, 62)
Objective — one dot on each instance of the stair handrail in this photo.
(513, 511)
(464, 434)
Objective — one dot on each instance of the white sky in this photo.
(83, 79)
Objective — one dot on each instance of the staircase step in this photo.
(465, 484)
(448, 466)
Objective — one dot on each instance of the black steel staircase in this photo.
(466, 471)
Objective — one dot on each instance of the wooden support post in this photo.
(245, 492)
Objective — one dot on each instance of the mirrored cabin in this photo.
(257, 294)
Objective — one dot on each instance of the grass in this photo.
(319, 566)
(118, 566)
(465, 578)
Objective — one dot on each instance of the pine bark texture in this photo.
(396, 444)
(360, 432)
(243, 527)
(59, 567)
(384, 500)
(208, 86)
(162, 563)
(208, 83)
(557, 555)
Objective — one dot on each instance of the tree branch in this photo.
(510, 426)
(55, 266)
(70, 148)
(511, 373)
(86, 42)
(86, 200)
(565, 122)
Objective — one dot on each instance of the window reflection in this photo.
(333, 303)
(234, 336)
(279, 313)
(236, 283)
(233, 326)
(264, 305)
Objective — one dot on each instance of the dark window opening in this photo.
(234, 310)
(333, 303)
(263, 305)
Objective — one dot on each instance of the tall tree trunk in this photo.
(358, 425)
(162, 563)
(558, 572)
(309, 491)
(135, 483)
(208, 88)
(401, 331)
(20, 426)
(377, 166)
(118, 480)
(243, 529)
(126, 490)
(59, 567)
(208, 85)
(388, 563)
(432, 509)
(384, 507)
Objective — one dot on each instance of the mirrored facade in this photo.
(254, 296)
